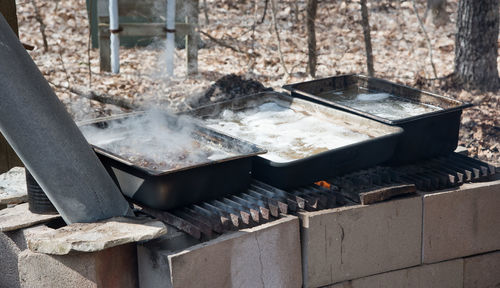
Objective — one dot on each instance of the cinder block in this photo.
(113, 267)
(267, 255)
(352, 242)
(9, 252)
(152, 257)
(461, 222)
(482, 271)
(12, 243)
(440, 275)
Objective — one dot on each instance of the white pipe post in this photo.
(170, 49)
(114, 37)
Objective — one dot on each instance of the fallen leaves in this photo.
(399, 49)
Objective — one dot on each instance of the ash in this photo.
(229, 87)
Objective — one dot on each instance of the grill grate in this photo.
(429, 175)
(262, 203)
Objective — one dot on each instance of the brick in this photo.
(482, 271)
(461, 222)
(352, 242)
(113, 267)
(266, 255)
(440, 275)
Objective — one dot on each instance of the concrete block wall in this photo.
(445, 239)
(482, 270)
(352, 242)
(9, 253)
(448, 274)
(461, 222)
(376, 244)
(19, 267)
(265, 256)
(112, 267)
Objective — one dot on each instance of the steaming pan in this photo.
(425, 135)
(173, 188)
(323, 165)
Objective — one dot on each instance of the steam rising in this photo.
(155, 140)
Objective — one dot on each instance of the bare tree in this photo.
(8, 10)
(312, 7)
(275, 26)
(365, 21)
(39, 18)
(8, 158)
(476, 44)
(429, 43)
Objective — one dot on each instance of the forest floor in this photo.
(399, 48)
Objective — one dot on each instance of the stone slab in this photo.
(19, 216)
(482, 271)
(13, 187)
(461, 222)
(440, 275)
(353, 242)
(264, 256)
(91, 237)
(113, 267)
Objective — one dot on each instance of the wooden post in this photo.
(104, 46)
(192, 50)
(8, 158)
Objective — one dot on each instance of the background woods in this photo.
(283, 41)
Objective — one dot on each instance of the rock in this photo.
(19, 216)
(91, 237)
(13, 187)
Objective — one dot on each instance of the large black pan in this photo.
(426, 135)
(320, 166)
(168, 189)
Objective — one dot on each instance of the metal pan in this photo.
(168, 189)
(426, 135)
(317, 166)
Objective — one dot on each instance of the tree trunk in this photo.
(8, 157)
(476, 47)
(368, 39)
(8, 10)
(312, 7)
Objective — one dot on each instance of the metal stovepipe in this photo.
(47, 140)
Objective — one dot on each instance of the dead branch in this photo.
(275, 25)
(102, 98)
(39, 19)
(251, 61)
(89, 15)
(264, 13)
(64, 68)
(365, 22)
(224, 44)
(205, 11)
(429, 45)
